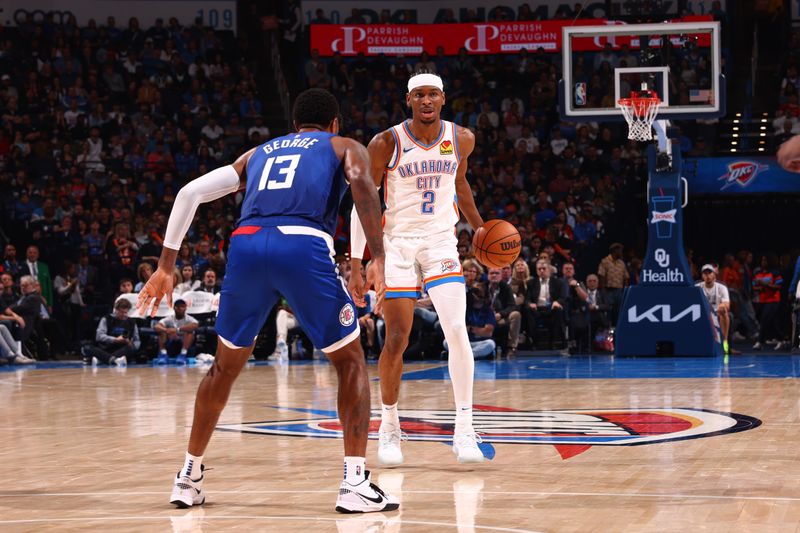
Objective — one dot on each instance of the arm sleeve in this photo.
(206, 188)
(358, 239)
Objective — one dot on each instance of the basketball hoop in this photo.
(640, 110)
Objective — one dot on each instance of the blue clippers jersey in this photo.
(294, 179)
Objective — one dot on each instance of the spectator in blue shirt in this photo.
(480, 323)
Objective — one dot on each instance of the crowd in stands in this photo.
(101, 125)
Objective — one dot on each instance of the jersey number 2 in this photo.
(287, 171)
(428, 202)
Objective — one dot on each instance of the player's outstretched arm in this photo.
(789, 154)
(466, 202)
(380, 151)
(206, 188)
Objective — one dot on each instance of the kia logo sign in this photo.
(665, 314)
(479, 43)
(352, 35)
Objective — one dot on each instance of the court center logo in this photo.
(571, 431)
(347, 315)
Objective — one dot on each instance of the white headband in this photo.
(425, 80)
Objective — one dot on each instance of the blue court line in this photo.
(610, 367)
(556, 367)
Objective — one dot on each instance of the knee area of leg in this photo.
(397, 339)
(514, 315)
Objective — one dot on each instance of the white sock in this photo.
(354, 469)
(162, 352)
(463, 418)
(183, 351)
(191, 466)
(389, 416)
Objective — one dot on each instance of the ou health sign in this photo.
(739, 175)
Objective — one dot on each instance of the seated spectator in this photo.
(10, 263)
(545, 301)
(26, 311)
(506, 312)
(41, 272)
(480, 323)
(591, 314)
(11, 350)
(767, 285)
(187, 282)
(125, 286)
(209, 282)
(9, 295)
(116, 339)
(175, 334)
(473, 272)
(143, 273)
(719, 300)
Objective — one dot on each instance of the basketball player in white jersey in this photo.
(718, 298)
(424, 164)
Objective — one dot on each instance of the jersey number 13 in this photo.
(285, 172)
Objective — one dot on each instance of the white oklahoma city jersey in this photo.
(421, 213)
(421, 184)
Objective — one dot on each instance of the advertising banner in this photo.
(412, 39)
(739, 175)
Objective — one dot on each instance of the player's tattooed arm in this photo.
(466, 201)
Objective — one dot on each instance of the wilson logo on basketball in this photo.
(449, 265)
(571, 431)
(507, 246)
(742, 173)
(445, 148)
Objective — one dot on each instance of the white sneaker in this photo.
(121, 361)
(465, 446)
(95, 361)
(780, 346)
(187, 491)
(281, 352)
(389, 453)
(23, 360)
(365, 497)
(757, 346)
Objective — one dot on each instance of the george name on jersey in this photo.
(297, 142)
(433, 166)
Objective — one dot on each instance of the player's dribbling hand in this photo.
(377, 280)
(356, 288)
(158, 286)
(789, 154)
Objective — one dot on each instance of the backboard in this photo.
(678, 60)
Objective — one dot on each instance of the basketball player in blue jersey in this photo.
(424, 164)
(283, 246)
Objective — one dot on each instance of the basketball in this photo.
(496, 243)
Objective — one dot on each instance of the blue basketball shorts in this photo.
(293, 261)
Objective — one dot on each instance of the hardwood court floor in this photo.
(85, 449)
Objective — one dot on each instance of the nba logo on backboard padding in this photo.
(580, 94)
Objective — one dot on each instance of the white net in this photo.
(640, 114)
